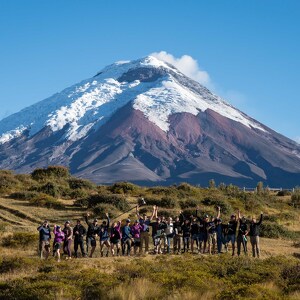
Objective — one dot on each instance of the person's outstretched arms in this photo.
(153, 213)
(219, 212)
(261, 217)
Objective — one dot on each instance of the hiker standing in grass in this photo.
(231, 232)
(136, 233)
(59, 238)
(254, 235)
(145, 235)
(186, 235)
(92, 233)
(203, 230)
(177, 234)
(44, 239)
(79, 232)
(126, 238)
(195, 234)
(115, 238)
(68, 231)
(169, 234)
(104, 235)
(242, 235)
(212, 235)
(157, 230)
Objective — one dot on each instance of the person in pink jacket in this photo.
(59, 238)
(115, 238)
(136, 233)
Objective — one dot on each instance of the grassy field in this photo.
(26, 200)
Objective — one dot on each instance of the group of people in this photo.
(195, 234)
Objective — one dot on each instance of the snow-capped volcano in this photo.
(157, 107)
(156, 88)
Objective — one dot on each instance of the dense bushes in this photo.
(50, 172)
(43, 200)
(8, 182)
(19, 239)
(123, 188)
(118, 201)
(274, 230)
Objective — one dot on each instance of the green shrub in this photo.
(274, 230)
(76, 184)
(291, 275)
(7, 181)
(165, 202)
(284, 193)
(24, 195)
(43, 200)
(19, 239)
(101, 209)
(79, 194)
(83, 202)
(118, 201)
(123, 188)
(225, 206)
(51, 188)
(188, 203)
(58, 172)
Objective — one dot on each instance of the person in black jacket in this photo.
(79, 232)
(254, 235)
(178, 234)
(242, 235)
(91, 235)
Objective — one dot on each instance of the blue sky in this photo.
(249, 49)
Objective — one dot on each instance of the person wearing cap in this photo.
(254, 235)
(91, 235)
(79, 232)
(115, 238)
(212, 232)
(136, 229)
(68, 231)
(126, 238)
(44, 239)
(231, 232)
(242, 235)
(59, 238)
(104, 236)
(145, 235)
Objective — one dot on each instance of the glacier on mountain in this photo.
(89, 104)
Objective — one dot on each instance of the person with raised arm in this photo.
(104, 235)
(145, 235)
(157, 230)
(79, 232)
(59, 237)
(115, 238)
(254, 235)
(44, 239)
(91, 235)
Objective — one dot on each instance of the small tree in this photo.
(260, 187)
(212, 184)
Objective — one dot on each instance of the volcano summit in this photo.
(144, 121)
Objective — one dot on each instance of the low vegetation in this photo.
(54, 194)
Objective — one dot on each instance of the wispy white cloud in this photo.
(297, 139)
(187, 65)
